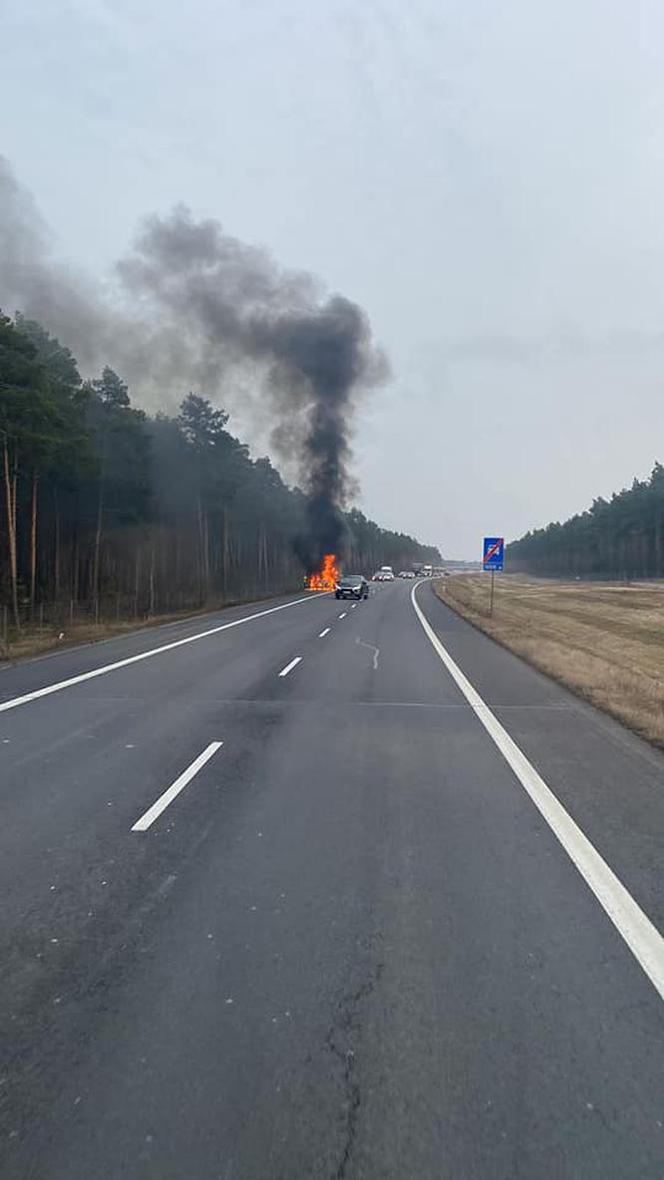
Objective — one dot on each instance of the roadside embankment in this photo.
(603, 640)
(41, 638)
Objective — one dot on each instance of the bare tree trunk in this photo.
(206, 555)
(201, 552)
(97, 550)
(152, 561)
(33, 543)
(262, 540)
(137, 579)
(56, 550)
(96, 565)
(10, 497)
(75, 572)
(225, 552)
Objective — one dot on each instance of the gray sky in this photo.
(486, 179)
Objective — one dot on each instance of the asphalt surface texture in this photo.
(351, 945)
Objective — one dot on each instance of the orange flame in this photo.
(327, 576)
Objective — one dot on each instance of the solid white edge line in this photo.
(153, 813)
(289, 667)
(641, 936)
(145, 655)
(324, 633)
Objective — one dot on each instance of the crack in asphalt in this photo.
(339, 1041)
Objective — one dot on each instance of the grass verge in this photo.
(36, 640)
(605, 641)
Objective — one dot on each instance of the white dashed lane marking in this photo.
(153, 813)
(289, 667)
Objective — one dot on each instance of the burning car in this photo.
(327, 576)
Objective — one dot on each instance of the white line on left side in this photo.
(147, 655)
(153, 813)
(289, 667)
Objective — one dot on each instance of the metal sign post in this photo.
(493, 558)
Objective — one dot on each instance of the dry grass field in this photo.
(36, 641)
(603, 640)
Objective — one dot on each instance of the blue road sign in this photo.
(493, 556)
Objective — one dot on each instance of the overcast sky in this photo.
(485, 178)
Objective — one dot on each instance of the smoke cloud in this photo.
(195, 307)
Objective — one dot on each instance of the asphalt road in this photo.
(352, 945)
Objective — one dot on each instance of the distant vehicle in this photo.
(403, 574)
(426, 571)
(352, 586)
(439, 571)
(383, 576)
(386, 569)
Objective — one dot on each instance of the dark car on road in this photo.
(352, 586)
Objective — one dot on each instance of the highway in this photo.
(320, 890)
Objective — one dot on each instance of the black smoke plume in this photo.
(316, 353)
(198, 307)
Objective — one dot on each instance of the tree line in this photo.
(109, 511)
(618, 538)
